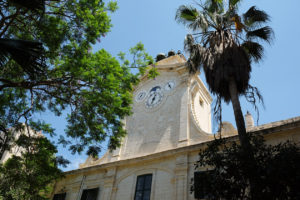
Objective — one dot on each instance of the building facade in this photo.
(171, 122)
(15, 149)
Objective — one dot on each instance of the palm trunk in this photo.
(248, 155)
(238, 115)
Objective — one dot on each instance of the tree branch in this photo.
(12, 17)
(30, 85)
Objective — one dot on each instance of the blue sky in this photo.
(152, 23)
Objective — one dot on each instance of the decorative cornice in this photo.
(277, 126)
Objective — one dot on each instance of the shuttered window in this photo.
(143, 187)
(201, 185)
(89, 194)
(61, 196)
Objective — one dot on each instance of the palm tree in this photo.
(36, 6)
(225, 45)
(29, 55)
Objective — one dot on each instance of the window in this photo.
(143, 187)
(201, 184)
(61, 196)
(89, 194)
(201, 102)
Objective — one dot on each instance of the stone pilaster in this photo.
(184, 116)
(181, 182)
(108, 184)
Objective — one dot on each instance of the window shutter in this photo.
(61, 196)
(201, 184)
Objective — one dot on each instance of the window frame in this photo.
(87, 191)
(200, 186)
(143, 190)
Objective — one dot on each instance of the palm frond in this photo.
(195, 61)
(189, 42)
(216, 6)
(190, 17)
(234, 3)
(196, 54)
(254, 16)
(201, 22)
(186, 14)
(264, 33)
(217, 20)
(232, 8)
(254, 50)
(32, 5)
(28, 54)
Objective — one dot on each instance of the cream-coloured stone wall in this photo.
(121, 183)
(15, 149)
(125, 188)
(202, 110)
(200, 104)
(162, 185)
(172, 171)
(156, 129)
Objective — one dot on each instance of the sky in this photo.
(152, 23)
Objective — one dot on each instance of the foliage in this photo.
(276, 170)
(141, 61)
(28, 175)
(93, 88)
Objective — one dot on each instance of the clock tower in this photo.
(173, 110)
(168, 112)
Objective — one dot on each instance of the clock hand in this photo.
(153, 99)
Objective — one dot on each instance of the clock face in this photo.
(140, 96)
(170, 85)
(154, 98)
